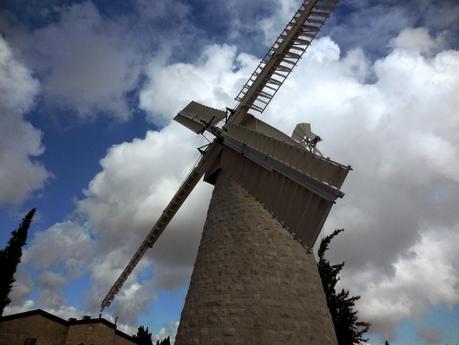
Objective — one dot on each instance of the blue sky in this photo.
(88, 92)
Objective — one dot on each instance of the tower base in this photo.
(252, 283)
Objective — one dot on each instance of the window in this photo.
(30, 341)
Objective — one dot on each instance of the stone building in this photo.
(252, 283)
(38, 327)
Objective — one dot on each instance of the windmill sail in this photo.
(198, 117)
(283, 56)
(179, 198)
(301, 131)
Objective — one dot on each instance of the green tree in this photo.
(386, 343)
(349, 330)
(143, 337)
(10, 257)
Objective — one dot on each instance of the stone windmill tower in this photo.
(255, 280)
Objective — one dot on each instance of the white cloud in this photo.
(136, 182)
(214, 80)
(20, 142)
(393, 120)
(14, 309)
(416, 40)
(274, 24)
(51, 279)
(50, 284)
(22, 287)
(122, 212)
(133, 300)
(169, 330)
(61, 253)
(424, 277)
(399, 134)
(85, 62)
(68, 244)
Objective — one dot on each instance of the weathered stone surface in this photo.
(47, 332)
(47, 329)
(252, 283)
(90, 334)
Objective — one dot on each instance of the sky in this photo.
(88, 92)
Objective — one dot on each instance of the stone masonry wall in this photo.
(51, 332)
(252, 283)
(99, 334)
(119, 340)
(47, 332)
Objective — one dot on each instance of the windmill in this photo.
(255, 278)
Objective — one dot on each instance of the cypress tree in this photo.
(143, 336)
(10, 257)
(349, 330)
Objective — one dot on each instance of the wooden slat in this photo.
(301, 215)
(197, 117)
(288, 48)
(319, 168)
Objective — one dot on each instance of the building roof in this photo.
(35, 312)
(67, 323)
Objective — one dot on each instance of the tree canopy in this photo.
(143, 337)
(10, 257)
(349, 330)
